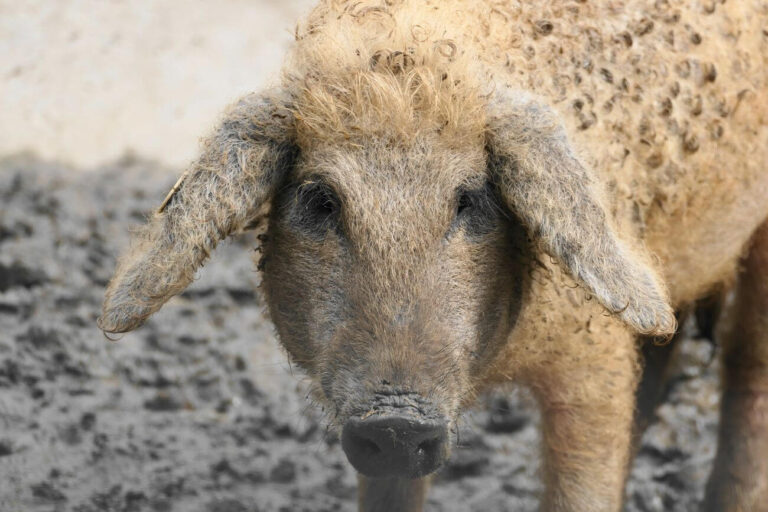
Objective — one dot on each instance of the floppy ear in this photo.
(222, 191)
(558, 200)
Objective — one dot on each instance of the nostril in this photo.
(369, 447)
(363, 445)
(429, 446)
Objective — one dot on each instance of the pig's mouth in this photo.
(401, 435)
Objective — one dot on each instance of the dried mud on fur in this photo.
(199, 410)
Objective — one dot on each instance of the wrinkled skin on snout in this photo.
(393, 275)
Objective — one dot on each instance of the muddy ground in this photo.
(199, 410)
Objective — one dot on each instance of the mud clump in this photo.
(199, 410)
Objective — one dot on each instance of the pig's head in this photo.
(405, 207)
(393, 272)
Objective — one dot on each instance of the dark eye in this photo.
(316, 206)
(476, 210)
(464, 203)
(317, 200)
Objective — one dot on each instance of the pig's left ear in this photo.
(221, 193)
(558, 200)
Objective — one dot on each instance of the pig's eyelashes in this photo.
(316, 207)
(464, 202)
(319, 201)
(476, 210)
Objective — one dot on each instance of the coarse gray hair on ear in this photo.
(558, 200)
(222, 191)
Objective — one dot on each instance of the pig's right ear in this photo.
(227, 187)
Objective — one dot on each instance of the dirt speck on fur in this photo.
(199, 410)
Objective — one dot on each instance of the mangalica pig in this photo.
(460, 194)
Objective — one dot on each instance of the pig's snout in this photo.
(395, 445)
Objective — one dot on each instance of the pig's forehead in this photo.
(377, 162)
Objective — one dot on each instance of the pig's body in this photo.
(432, 231)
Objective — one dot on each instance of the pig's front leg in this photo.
(390, 494)
(586, 392)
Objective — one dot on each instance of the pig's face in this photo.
(393, 275)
